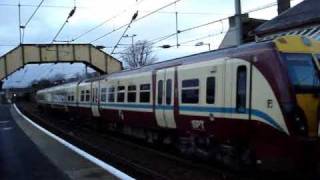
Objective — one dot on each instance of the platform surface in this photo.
(27, 153)
(19, 157)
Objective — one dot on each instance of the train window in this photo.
(190, 91)
(87, 95)
(190, 83)
(82, 96)
(93, 94)
(241, 89)
(168, 91)
(132, 93)
(103, 94)
(211, 86)
(145, 93)
(120, 96)
(160, 91)
(111, 94)
(302, 71)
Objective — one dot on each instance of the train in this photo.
(254, 104)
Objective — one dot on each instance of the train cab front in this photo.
(300, 58)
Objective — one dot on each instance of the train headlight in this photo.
(298, 120)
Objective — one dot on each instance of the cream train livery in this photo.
(257, 103)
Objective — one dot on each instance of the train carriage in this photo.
(258, 102)
(84, 94)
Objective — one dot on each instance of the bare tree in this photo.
(139, 54)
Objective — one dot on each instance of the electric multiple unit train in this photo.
(257, 102)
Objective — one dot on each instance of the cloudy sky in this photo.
(112, 14)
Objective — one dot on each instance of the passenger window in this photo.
(168, 91)
(241, 89)
(145, 93)
(82, 96)
(97, 95)
(160, 91)
(87, 95)
(211, 86)
(120, 96)
(103, 94)
(190, 91)
(132, 93)
(111, 94)
(93, 94)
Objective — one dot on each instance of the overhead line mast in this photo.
(23, 27)
(19, 14)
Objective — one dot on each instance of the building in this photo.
(302, 19)
(248, 25)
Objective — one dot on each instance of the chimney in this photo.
(283, 5)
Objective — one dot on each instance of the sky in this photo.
(89, 13)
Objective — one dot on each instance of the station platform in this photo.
(26, 153)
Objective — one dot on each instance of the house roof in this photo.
(304, 14)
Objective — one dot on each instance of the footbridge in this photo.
(57, 53)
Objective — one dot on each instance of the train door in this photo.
(238, 94)
(164, 101)
(95, 98)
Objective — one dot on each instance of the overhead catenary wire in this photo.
(122, 26)
(204, 37)
(45, 6)
(104, 22)
(30, 5)
(71, 13)
(132, 19)
(8, 45)
(159, 39)
(187, 12)
(30, 18)
(34, 12)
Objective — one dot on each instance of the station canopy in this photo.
(57, 53)
(302, 19)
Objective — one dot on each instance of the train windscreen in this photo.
(302, 71)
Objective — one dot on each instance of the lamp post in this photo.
(202, 43)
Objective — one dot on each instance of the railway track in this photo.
(138, 159)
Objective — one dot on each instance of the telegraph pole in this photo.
(238, 22)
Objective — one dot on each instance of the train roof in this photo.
(194, 58)
(58, 87)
